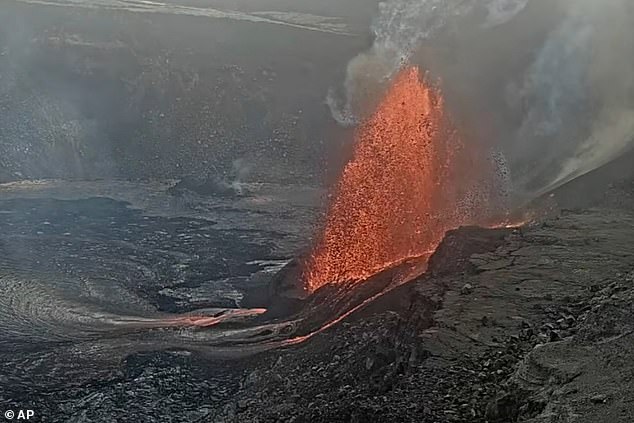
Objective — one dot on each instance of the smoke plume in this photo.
(399, 30)
(545, 84)
(579, 88)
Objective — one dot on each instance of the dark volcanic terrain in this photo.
(130, 89)
(529, 324)
(533, 324)
(159, 165)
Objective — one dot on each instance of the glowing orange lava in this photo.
(401, 190)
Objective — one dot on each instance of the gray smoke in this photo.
(241, 169)
(547, 83)
(399, 30)
(580, 90)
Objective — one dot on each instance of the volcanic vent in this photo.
(410, 179)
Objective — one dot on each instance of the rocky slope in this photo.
(103, 92)
(532, 325)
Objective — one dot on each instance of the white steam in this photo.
(500, 12)
(580, 96)
(398, 30)
(554, 90)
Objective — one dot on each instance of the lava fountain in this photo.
(409, 180)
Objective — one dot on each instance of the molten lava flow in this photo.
(399, 193)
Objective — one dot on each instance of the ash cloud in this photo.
(548, 84)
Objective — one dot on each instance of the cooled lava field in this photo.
(230, 211)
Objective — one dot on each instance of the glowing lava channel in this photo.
(401, 190)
